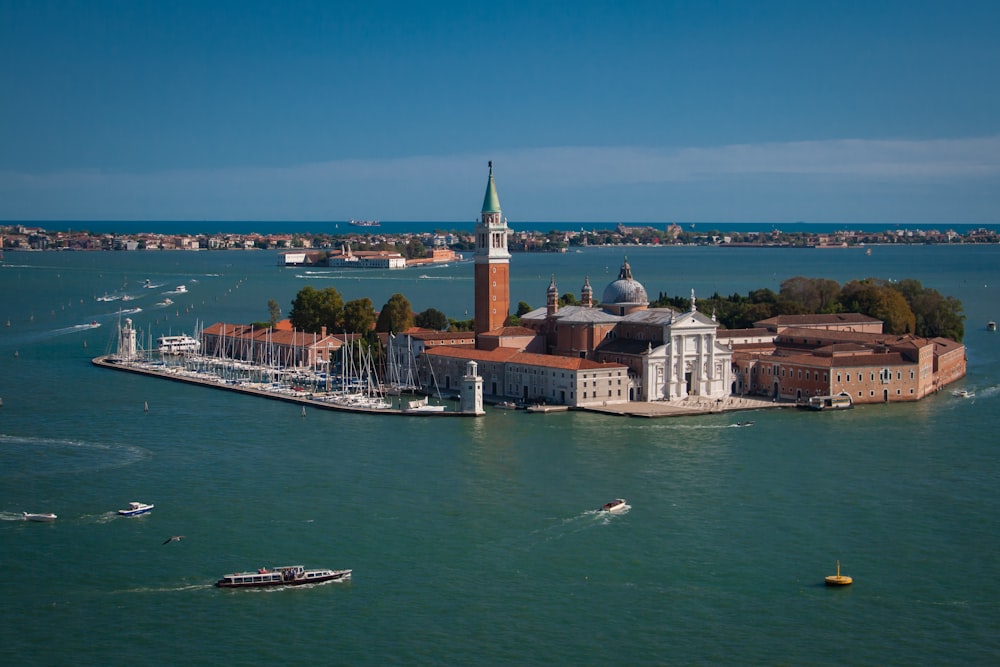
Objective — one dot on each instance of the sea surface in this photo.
(476, 541)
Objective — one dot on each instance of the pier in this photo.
(322, 401)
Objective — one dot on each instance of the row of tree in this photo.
(905, 306)
(313, 309)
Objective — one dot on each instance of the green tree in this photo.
(275, 310)
(936, 315)
(817, 295)
(359, 316)
(879, 300)
(461, 325)
(414, 249)
(313, 309)
(432, 318)
(396, 315)
(523, 308)
(568, 299)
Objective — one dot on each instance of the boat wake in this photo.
(74, 328)
(165, 589)
(586, 520)
(11, 516)
(35, 457)
(988, 392)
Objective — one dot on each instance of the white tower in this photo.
(126, 340)
(472, 390)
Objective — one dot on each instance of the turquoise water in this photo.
(475, 541)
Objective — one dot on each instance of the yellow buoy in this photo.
(838, 579)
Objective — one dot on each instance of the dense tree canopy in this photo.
(936, 315)
(432, 318)
(816, 295)
(359, 316)
(396, 315)
(904, 307)
(313, 309)
(879, 300)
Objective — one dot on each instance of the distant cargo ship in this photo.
(365, 223)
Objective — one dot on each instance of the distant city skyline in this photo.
(590, 111)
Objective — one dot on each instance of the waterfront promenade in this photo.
(690, 406)
(685, 407)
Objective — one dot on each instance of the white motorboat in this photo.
(422, 405)
(39, 516)
(290, 575)
(136, 508)
(616, 505)
(963, 393)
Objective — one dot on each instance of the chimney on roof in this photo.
(322, 331)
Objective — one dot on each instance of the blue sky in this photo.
(637, 111)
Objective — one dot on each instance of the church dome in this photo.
(625, 290)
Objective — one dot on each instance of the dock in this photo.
(306, 399)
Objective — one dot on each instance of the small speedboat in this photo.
(39, 516)
(135, 509)
(963, 393)
(616, 505)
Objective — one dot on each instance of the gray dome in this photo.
(626, 289)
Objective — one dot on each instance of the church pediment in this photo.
(692, 323)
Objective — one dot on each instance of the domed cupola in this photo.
(624, 295)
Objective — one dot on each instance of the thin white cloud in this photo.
(550, 183)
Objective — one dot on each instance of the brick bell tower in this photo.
(492, 264)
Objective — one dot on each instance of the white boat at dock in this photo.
(290, 575)
(136, 508)
(182, 344)
(838, 402)
(422, 405)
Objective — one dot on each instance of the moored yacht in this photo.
(177, 344)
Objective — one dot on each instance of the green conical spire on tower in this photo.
(491, 203)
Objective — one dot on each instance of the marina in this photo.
(348, 402)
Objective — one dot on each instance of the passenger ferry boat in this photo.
(289, 575)
(177, 344)
(838, 402)
(365, 223)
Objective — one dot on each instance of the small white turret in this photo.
(472, 390)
